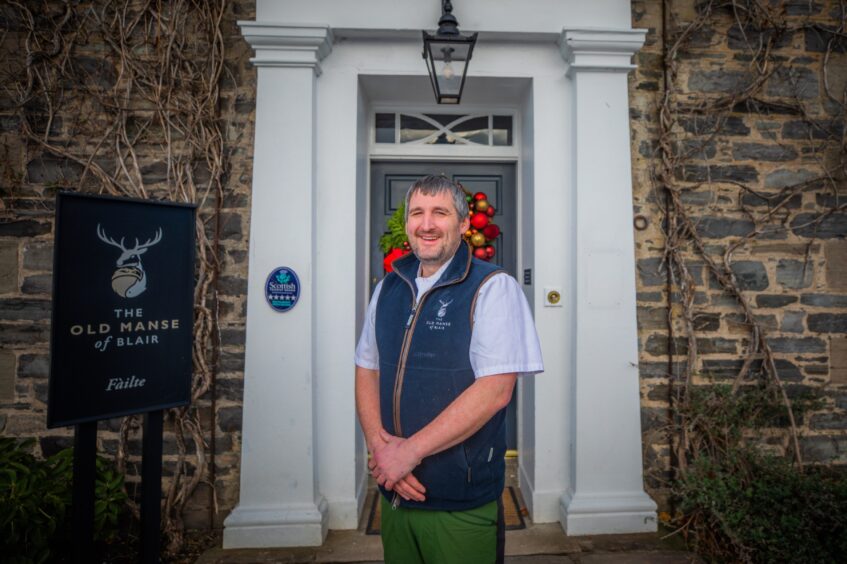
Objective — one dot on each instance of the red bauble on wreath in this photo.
(479, 220)
(491, 231)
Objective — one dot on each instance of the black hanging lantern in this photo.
(447, 55)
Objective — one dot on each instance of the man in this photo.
(445, 337)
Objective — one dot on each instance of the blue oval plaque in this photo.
(282, 289)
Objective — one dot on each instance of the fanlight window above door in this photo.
(443, 129)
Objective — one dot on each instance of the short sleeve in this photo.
(367, 354)
(504, 339)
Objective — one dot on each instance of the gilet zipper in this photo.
(404, 353)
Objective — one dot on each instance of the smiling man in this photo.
(446, 336)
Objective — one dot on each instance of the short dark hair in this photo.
(436, 184)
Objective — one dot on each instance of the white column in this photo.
(606, 493)
(280, 504)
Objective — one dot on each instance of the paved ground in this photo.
(537, 544)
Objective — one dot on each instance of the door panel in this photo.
(391, 180)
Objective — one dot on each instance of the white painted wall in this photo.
(530, 17)
(362, 275)
(551, 231)
(604, 492)
(526, 386)
(337, 226)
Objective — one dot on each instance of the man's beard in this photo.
(444, 252)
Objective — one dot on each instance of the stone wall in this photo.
(779, 145)
(30, 179)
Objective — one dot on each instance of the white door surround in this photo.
(303, 457)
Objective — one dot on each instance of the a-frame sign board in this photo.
(121, 335)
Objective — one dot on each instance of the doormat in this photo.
(511, 512)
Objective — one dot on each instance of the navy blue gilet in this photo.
(424, 364)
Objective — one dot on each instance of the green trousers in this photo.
(421, 536)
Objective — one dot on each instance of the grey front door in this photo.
(389, 182)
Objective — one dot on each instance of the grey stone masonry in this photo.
(717, 173)
(835, 253)
(719, 81)
(762, 152)
(798, 81)
(768, 300)
(8, 266)
(23, 336)
(822, 225)
(7, 376)
(824, 300)
(38, 257)
(828, 322)
(797, 344)
(794, 273)
(792, 322)
(751, 275)
(37, 284)
(24, 309)
(720, 227)
(782, 178)
(24, 228)
(838, 361)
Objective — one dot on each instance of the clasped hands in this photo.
(391, 464)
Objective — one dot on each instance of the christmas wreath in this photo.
(480, 235)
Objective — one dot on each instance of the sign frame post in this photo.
(151, 487)
(82, 500)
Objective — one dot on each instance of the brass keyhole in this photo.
(553, 297)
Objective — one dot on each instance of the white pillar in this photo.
(606, 493)
(280, 504)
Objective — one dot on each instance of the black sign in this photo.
(123, 283)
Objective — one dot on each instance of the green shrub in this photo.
(759, 508)
(35, 502)
(736, 503)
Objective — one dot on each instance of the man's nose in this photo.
(427, 221)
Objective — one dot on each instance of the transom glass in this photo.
(443, 129)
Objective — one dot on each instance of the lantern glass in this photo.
(447, 60)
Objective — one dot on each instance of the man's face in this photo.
(434, 229)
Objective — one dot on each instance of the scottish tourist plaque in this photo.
(123, 281)
(282, 289)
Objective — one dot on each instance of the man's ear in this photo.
(464, 225)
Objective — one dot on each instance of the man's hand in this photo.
(408, 487)
(393, 460)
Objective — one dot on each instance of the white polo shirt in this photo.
(503, 341)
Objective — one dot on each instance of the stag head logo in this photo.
(129, 279)
(442, 311)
